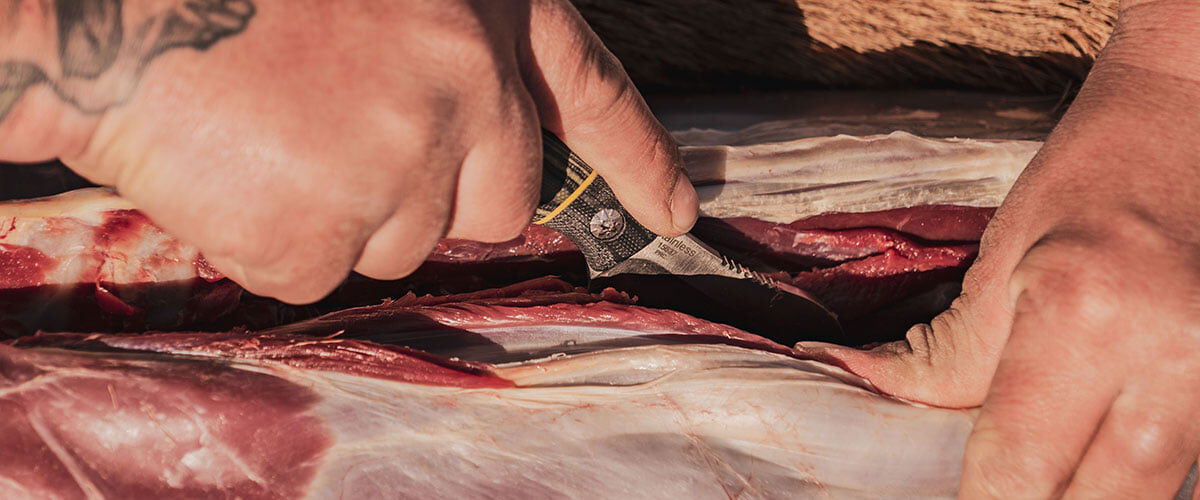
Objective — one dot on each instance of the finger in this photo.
(422, 213)
(1048, 394)
(403, 243)
(583, 94)
(277, 234)
(1145, 447)
(272, 246)
(950, 361)
(947, 363)
(296, 264)
(500, 179)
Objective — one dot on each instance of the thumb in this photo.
(948, 362)
(584, 95)
(935, 364)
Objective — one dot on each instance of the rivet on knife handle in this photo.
(579, 204)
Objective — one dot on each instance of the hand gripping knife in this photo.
(680, 273)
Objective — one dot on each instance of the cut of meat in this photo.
(783, 182)
(928, 222)
(689, 421)
(864, 223)
(86, 260)
(649, 404)
(537, 389)
(519, 322)
(856, 272)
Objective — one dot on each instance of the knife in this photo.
(680, 273)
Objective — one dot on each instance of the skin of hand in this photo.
(292, 141)
(1078, 326)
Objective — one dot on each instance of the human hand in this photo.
(292, 141)
(1077, 329)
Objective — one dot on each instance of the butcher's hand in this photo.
(1078, 329)
(293, 140)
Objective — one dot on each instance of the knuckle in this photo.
(463, 37)
(470, 58)
(1148, 445)
(251, 241)
(922, 341)
(418, 136)
(598, 66)
(291, 262)
(663, 155)
(649, 162)
(1071, 281)
(601, 103)
(581, 57)
(1136, 231)
(596, 87)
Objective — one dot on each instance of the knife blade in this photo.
(680, 273)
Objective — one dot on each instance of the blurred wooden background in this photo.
(1025, 46)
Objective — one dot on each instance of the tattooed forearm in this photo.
(98, 49)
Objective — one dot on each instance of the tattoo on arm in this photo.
(103, 46)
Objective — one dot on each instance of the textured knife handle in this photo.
(579, 204)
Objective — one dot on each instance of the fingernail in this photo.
(685, 205)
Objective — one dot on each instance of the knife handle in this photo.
(579, 204)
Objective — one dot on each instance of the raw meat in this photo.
(867, 224)
(86, 260)
(649, 404)
(538, 389)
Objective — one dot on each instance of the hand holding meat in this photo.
(1077, 326)
(291, 142)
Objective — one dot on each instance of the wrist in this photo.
(1162, 36)
(1128, 138)
(1127, 143)
(1145, 87)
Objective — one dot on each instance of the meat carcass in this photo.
(86, 260)
(539, 389)
(872, 226)
(648, 404)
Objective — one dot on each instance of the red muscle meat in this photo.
(151, 429)
(86, 261)
(870, 226)
(538, 389)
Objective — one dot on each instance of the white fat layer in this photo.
(695, 421)
(64, 228)
(787, 181)
(773, 181)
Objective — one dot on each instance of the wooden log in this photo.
(1044, 46)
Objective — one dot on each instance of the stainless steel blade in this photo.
(680, 273)
(684, 274)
